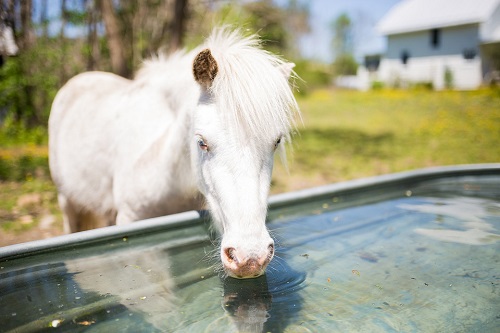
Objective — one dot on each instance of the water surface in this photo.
(425, 259)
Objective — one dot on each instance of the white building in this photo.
(443, 42)
(8, 46)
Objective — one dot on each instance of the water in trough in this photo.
(410, 258)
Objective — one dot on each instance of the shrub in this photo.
(422, 86)
(377, 85)
(448, 78)
(23, 168)
(312, 75)
(345, 64)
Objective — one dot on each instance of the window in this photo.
(469, 54)
(405, 55)
(435, 38)
(372, 62)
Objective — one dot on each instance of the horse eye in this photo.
(277, 142)
(202, 144)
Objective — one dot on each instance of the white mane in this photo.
(251, 88)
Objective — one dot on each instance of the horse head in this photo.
(244, 115)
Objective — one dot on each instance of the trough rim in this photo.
(412, 177)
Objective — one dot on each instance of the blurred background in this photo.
(386, 85)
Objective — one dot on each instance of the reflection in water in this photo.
(142, 290)
(471, 212)
(248, 302)
(266, 304)
(134, 290)
(139, 281)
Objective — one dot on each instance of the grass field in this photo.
(344, 135)
(348, 134)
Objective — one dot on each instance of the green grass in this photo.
(345, 135)
(23, 204)
(348, 134)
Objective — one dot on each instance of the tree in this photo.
(92, 20)
(264, 18)
(342, 35)
(297, 24)
(343, 46)
(114, 34)
(345, 64)
(177, 27)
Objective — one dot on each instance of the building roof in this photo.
(416, 15)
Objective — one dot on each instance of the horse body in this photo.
(110, 155)
(123, 150)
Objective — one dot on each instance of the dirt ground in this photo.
(36, 233)
(28, 215)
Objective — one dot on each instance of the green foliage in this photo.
(345, 64)
(422, 85)
(311, 76)
(16, 133)
(350, 134)
(377, 85)
(75, 17)
(16, 216)
(11, 78)
(267, 20)
(343, 46)
(23, 152)
(448, 78)
(342, 35)
(261, 17)
(29, 82)
(23, 168)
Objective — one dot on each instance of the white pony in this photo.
(207, 122)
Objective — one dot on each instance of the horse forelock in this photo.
(251, 91)
(250, 88)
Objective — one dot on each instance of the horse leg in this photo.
(70, 217)
(77, 220)
(125, 216)
(88, 220)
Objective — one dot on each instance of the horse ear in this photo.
(205, 68)
(286, 68)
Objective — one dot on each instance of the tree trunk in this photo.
(27, 36)
(92, 38)
(115, 42)
(62, 41)
(178, 25)
(24, 106)
(10, 15)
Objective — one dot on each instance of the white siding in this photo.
(453, 41)
(490, 30)
(466, 73)
(464, 25)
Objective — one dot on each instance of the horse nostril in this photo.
(271, 251)
(230, 254)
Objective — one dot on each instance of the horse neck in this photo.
(171, 149)
(168, 157)
(177, 151)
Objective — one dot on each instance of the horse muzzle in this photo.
(238, 264)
